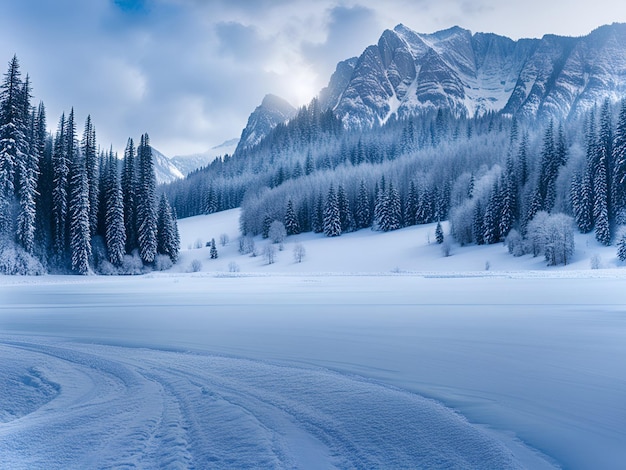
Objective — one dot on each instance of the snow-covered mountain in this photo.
(164, 168)
(188, 163)
(272, 111)
(407, 72)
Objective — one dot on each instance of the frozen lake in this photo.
(302, 370)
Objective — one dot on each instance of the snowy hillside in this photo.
(409, 250)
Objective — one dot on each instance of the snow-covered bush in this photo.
(246, 245)
(131, 264)
(559, 246)
(299, 253)
(536, 237)
(162, 263)
(461, 221)
(14, 260)
(270, 253)
(595, 262)
(515, 243)
(106, 268)
(277, 232)
(195, 266)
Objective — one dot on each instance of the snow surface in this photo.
(275, 367)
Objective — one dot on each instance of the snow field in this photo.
(426, 364)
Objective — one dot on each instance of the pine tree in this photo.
(605, 155)
(318, 215)
(146, 210)
(390, 216)
(439, 233)
(88, 147)
(213, 251)
(411, 205)
(12, 128)
(130, 184)
(115, 232)
(363, 215)
(28, 174)
(600, 208)
(291, 220)
(478, 228)
(491, 223)
(13, 144)
(345, 213)
(60, 169)
(332, 222)
(43, 192)
(619, 168)
(167, 231)
(78, 205)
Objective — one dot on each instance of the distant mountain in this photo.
(164, 169)
(272, 111)
(408, 72)
(188, 163)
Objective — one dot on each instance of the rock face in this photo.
(272, 111)
(408, 72)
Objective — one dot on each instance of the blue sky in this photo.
(189, 72)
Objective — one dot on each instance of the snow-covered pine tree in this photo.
(345, 212)
(363, 216)
(600, 208)
(548, 170)
(78, 204)
(43, 192)
(213, 251)
(146, 210)
(411, 205)
(478, 227)
(267, 222)
(130, 186)
(318, 215)
(167, 237)
(291, 220)
(332, 223)
(13, 144)
(115, 232)
(88, 148)
(439, 233)
(60, 170)
(582, 201)
(392, 210)
(28, 171)
(491, 221)
(605, 156)
(619, 168)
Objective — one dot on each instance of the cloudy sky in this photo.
(189, 72)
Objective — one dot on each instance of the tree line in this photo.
(66, 205)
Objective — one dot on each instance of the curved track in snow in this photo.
(75, 405)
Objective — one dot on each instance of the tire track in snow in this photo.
(140, 408)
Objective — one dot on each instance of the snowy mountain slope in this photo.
(408, 72)
(188, 163)
(164, 169)
(272, 111)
